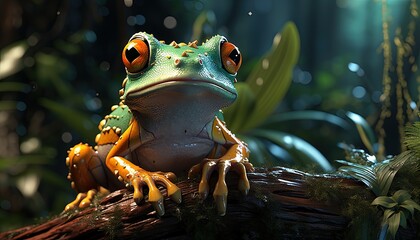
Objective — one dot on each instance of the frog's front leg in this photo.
(133, 175)
(84, 164)
(235, 158)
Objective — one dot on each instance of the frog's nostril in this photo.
(131, 54)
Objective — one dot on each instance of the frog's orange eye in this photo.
(135, 55)
(231, 57)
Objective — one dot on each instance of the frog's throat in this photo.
(174, 82)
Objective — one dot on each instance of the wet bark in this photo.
(277, 207)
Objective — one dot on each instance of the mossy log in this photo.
(282, 204)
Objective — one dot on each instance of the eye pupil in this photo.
(131, 54)
(235, 56)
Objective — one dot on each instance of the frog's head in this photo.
(178, 73)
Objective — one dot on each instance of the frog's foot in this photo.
(143, 177)
(207, 167)
(84, 199)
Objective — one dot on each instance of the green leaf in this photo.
(412, 138)
(403, 219)
(303, 152)
(308, 115)
(393, 224)
(384, 201)
(366, 133)
(271, 78)
(410, 205)
(6, 105)
(400, 196)
(387, 214)
(14, 87)
(386, 171)
(364, 173)
(8, 162)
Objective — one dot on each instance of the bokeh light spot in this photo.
(359, 92)
(90, 36)
(66, 137)
(353, 67)
(104, 66)
(169, 22)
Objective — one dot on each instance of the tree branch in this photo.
(278, 206)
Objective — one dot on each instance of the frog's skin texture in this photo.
(168, 122)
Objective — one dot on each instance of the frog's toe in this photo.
(221, 191)
(207, 169)
(243, 184)
(220, 201)
(86, 201)
(75, 203)
(156, 199)
(170, 175)
(155, 196)
(194, 171)
(174, 192)
(138, 190)
(83, 200)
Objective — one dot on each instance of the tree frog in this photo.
(167, 123)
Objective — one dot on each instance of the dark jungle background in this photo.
(61, 69)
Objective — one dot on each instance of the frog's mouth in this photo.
(180, 93)
(184, 85)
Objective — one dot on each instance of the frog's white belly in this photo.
(172, 154)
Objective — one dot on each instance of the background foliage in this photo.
(60, 71)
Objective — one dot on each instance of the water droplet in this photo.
(249, 13)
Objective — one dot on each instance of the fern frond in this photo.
(412, 138)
